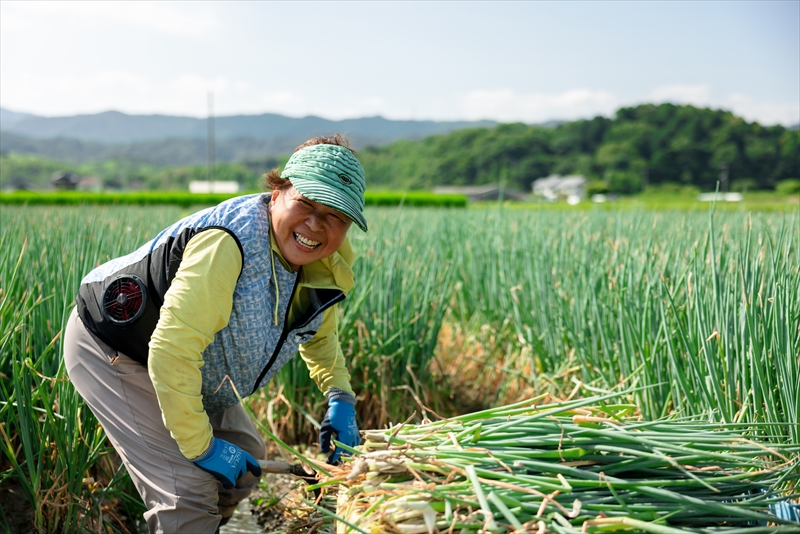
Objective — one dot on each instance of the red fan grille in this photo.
(123, 299)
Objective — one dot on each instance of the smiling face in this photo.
(304, 230)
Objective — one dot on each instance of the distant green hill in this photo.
(116, 127)
(643, 145)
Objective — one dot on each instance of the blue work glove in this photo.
(227, 462)
(341, 419)
(786, 510)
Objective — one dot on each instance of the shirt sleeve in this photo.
(323, 356)
(196, 306)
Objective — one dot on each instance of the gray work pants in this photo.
(180, 497)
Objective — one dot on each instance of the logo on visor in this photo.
(345, 179)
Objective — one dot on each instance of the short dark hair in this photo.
(273, 180)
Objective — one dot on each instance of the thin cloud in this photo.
(283, 103)
(786, 113)
(743, 105)
(697, 94)
(62, 93)
(184, 94)
(192, 84)
(505, 105)
(508, 106)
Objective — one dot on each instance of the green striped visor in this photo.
(330, 175)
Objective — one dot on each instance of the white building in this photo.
(224, 187)
(555, 186)
(720, 197)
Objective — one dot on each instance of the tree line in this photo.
(24, 171)
(646, 145)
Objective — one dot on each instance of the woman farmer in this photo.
(163, 339)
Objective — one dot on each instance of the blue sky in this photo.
(508, 61)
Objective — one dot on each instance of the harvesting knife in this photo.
(283, 468)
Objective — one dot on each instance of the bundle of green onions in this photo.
(581, 466)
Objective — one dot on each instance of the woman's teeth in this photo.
(305, 241)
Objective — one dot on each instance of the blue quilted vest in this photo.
(252, 348)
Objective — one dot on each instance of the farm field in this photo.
(696, 312)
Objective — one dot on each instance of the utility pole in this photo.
(723, 177)
(210, 143)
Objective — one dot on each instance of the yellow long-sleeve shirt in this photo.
(198, 304)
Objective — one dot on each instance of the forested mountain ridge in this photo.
(642, 145)
(117, 127)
